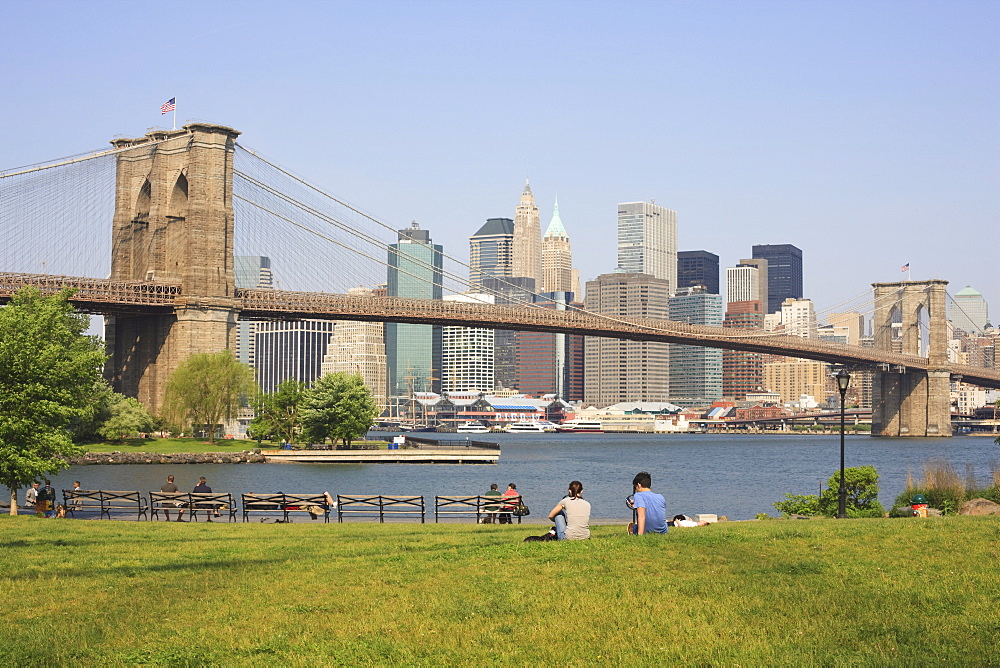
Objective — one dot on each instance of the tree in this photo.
(207, 389)
(861, 485)
(126, 417)
(278, 413)
(48, 369)
(338, 406)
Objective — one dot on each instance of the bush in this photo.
(945, 490)
(861, 485)
(798, 504)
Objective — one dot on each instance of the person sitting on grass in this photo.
(650, 507)
(572, 514)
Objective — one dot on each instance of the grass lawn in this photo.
(817, 592)
(185, 445)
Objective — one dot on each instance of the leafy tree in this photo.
(84, 427)
(278, 413)
(48, 369)
(338, 406)
(207, 389)
(126, 417)
(861, 485)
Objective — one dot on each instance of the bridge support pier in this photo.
(173, 224)
(912, 402)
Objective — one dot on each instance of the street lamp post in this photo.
(843, 380)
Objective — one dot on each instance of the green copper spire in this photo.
(555, 228)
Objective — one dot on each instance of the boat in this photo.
(581, 427)
(533, 427)
(473, 427)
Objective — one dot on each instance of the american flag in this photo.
(905, 267)
(169, 105)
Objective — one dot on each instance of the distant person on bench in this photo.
(170, 488)
(511, 498)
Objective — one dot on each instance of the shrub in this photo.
(798, 504)
(861, 486)
(945, 490)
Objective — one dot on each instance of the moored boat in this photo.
(581, 427)
(473, 427)
(533, 427)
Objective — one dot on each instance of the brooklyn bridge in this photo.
(185, 200)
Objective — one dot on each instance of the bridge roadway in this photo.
(108, 297)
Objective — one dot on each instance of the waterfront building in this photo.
(742, 372)
(784, 272)
(527, 261)
(359, 347)
(414, 351)
(793, 378)
(696, 268)
(647, 241)
(557, 256)
(695, 371)
(743, 284)
(467, 352)
(292, 349)
(969, 311)
(617, 370)
(491, 251)
(550, 362)
(251, 272)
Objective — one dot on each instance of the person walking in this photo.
(31, 496)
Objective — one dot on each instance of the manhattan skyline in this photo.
(862, 133)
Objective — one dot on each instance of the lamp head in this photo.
(843, 380)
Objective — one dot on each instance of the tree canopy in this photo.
(338, 406)
(207, 389)
(49, 368)
(126, 417)
(278, 413)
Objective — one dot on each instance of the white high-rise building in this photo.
(359, 347)
(799, 318)
(467, 352)
(647, 241)
(252, 272)
(743, 284)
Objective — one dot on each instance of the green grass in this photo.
(817, 592)
(185, 445)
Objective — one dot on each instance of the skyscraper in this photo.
(513, 290)
(527, 238)
(742, 283)
(696, 268)
(251, 272)
(557, 257)
(762, 277)
(291, 349)
(414, 351)
(359, 347)
(742, 372)
(617, 370)
(798, 317)
(467, 352)
(695, 371)
(647, 241)
(550, 363)
(969, 312)
(784, 273)
(491, 251)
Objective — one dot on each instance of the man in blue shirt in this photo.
(650, 507)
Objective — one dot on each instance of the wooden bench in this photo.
(122, 500)
(284, 504)
(379, 505)
(79, 500)
(193, 502)
(482, 507)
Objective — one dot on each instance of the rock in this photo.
(979, 507)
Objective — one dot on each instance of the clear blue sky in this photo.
(866, 133)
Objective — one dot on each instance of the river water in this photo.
(733, 475)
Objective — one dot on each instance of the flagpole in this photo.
(175, 113)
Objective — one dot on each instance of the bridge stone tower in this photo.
(912, 403)
(173, 224)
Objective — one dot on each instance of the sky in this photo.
(865, 133)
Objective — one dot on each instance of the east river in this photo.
(733, 475)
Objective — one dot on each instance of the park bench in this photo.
(379, 505)
(122, 500)
(79, 500)
(486, 509)
(193, 502)
(283, 504)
